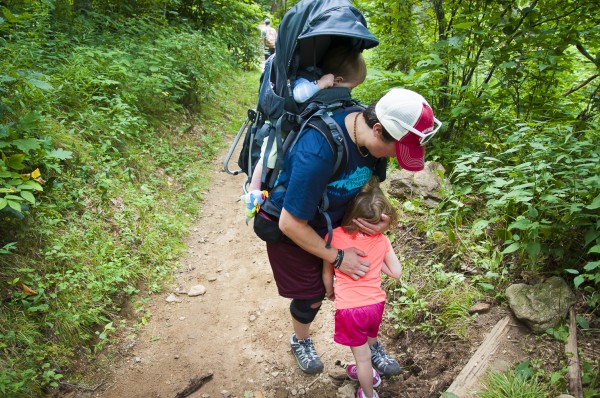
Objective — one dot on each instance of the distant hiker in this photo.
(269, 35)
(398, 124)
(359, 303)
(342, 67)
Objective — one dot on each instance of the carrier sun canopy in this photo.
(310, 27)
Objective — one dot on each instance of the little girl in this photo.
(359, 303)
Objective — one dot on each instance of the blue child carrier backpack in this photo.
(306, 33)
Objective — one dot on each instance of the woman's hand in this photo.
(373, 229)
(354, 264)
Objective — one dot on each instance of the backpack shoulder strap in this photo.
(332, 132)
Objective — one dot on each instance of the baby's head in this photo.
(369, 204)
(347, 66)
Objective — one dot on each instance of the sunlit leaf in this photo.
(572, 271)
(595, 203)
(479, 227)
(582, 322)
(28, 196)
(512, 248)
(591, 266)
(40, 84)
(60, 154)
(486, 286)
(31, 186)
(26, 145)
(16, 206)
(594, 249)
(523, 224)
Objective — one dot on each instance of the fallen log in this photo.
(574, 374)
(477, 365)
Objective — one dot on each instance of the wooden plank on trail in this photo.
(467, 380)
(575, 386)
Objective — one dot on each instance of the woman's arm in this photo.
(298, 230)
(391, 265)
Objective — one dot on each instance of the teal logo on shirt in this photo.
(355, 181)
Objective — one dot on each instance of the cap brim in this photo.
(410, 153)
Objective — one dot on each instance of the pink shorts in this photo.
(354, 325)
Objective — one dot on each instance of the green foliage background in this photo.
(108, 122)
(120, 108)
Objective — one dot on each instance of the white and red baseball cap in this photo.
(408, 117)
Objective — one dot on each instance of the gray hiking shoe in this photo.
(306, 355)
(385, 365)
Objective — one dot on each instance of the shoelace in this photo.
(382, 356)
(308, 349)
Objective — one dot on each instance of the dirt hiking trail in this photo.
(238, 331)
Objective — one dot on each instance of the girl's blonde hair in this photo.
(369, 204)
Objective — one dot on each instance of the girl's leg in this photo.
(362, 355)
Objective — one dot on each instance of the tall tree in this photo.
(487, 63)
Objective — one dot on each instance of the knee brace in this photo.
(302, 311)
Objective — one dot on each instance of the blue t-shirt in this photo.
(308, 168)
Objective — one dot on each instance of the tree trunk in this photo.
(438, 7)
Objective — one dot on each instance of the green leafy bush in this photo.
(102, 163)
(543, 209)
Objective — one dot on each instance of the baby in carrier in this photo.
(342, 67)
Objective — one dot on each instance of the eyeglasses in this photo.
(423, 138)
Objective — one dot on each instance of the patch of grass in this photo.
(511, 384)
(431, 299)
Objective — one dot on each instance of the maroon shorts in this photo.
(354, 325)
(297, 273)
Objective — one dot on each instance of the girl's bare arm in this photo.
(391, 265)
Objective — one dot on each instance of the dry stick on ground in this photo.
(575, 386)
(194, 385)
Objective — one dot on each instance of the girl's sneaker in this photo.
(360, 394)
(382, 362)
(351, 370)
